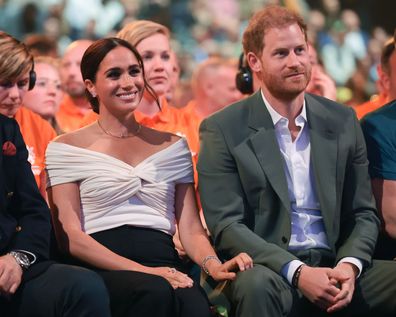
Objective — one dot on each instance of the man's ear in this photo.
(90, 87)
(383, 78)
(254, 62)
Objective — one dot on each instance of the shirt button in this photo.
(18, 228)
(284, 239)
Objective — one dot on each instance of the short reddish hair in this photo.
(270, 17)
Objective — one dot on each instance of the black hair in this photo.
(95, 54)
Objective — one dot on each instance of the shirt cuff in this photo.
(358, 263)
(289, 269)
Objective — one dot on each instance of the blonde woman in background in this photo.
(152, 41)
(46, 96)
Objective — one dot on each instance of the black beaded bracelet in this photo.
(296, 276)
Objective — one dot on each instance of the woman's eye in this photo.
(113, 74)
(165, 56)
(6, 84)
(23, 83)
(134, 72)
(147, 56)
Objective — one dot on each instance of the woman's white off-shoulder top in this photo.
(114, 193)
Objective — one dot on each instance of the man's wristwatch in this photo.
(22, 259)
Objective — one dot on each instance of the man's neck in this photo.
(81, 103)
(288, 108)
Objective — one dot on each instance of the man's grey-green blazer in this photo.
(243, 187)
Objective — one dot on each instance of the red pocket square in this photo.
(9, 148)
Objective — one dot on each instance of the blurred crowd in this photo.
(348, 51)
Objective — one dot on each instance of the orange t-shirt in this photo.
(69, 116)
(369, 106)
(191, 122)
(37, 133)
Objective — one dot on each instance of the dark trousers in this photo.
(138, 294)
(262, 292)
(60, 291)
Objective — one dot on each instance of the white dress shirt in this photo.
(307, 226)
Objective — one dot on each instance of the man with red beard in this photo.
(283, 176)
(75, 105)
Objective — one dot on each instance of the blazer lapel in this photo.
(324, 149)
(266, 148)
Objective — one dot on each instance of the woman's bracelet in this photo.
(296, 276)
(206, 259)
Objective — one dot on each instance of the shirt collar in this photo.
(276, 117)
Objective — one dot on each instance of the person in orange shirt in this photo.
(37, 133)
(74, 105)
(152, 42)
(46, 96)
(214, 87)
(174, 79)
(386, 81)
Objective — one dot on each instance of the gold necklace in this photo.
(122, 136)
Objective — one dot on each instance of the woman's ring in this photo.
(172, 270)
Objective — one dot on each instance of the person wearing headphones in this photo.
(36, 132)
(31, 284)
(320, 83)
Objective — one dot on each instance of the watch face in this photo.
(22, 259)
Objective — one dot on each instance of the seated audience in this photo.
(283, 176)
(44, 99)
(380, 134)
(31, 284)
(387, 81)
(379, 131)
(214, 87)
(117, 188)
(152, 40)
(74, 106)
(36, 132)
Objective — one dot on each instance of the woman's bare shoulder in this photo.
(81, 137)
(161, 137)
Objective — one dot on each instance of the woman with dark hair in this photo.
(117, 188)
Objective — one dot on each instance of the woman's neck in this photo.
(118, 126)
